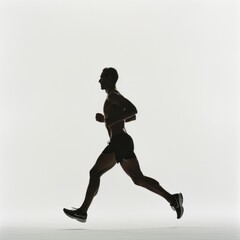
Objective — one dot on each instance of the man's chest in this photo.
(110, 109)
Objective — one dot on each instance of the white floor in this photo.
(178, 233)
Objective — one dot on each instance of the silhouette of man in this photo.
(118, 110)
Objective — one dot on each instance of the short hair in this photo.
(112, 72)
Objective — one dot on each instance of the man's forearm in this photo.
(131, 118)
(126, 114)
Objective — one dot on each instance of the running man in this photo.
(118, 110)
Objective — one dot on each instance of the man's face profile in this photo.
(105, 81)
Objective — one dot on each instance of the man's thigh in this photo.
(104, 162)
(132, 167)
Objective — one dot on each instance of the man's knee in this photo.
(140, 181)
(94, 173)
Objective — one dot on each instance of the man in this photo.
(118, 110)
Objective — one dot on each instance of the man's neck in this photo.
(108, 91)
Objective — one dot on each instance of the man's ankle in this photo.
(81, 210)
(172, 200)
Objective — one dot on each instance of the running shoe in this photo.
(76, 214)
(177, 206)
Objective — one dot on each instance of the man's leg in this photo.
(104, 163)
(132, 168)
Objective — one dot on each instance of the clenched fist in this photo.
(99, 117)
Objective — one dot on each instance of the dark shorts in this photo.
(122, 145)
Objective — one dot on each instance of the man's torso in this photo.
(110, 109)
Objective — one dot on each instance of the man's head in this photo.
(108, 78)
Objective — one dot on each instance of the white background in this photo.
(178, 62)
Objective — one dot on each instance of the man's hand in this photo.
(99, 117)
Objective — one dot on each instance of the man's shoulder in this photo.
(115, 94)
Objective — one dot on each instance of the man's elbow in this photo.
(134, 110)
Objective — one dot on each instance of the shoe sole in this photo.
(76, 218)
(180, 198)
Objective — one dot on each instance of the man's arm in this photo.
(131, 118)
(129, 110)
